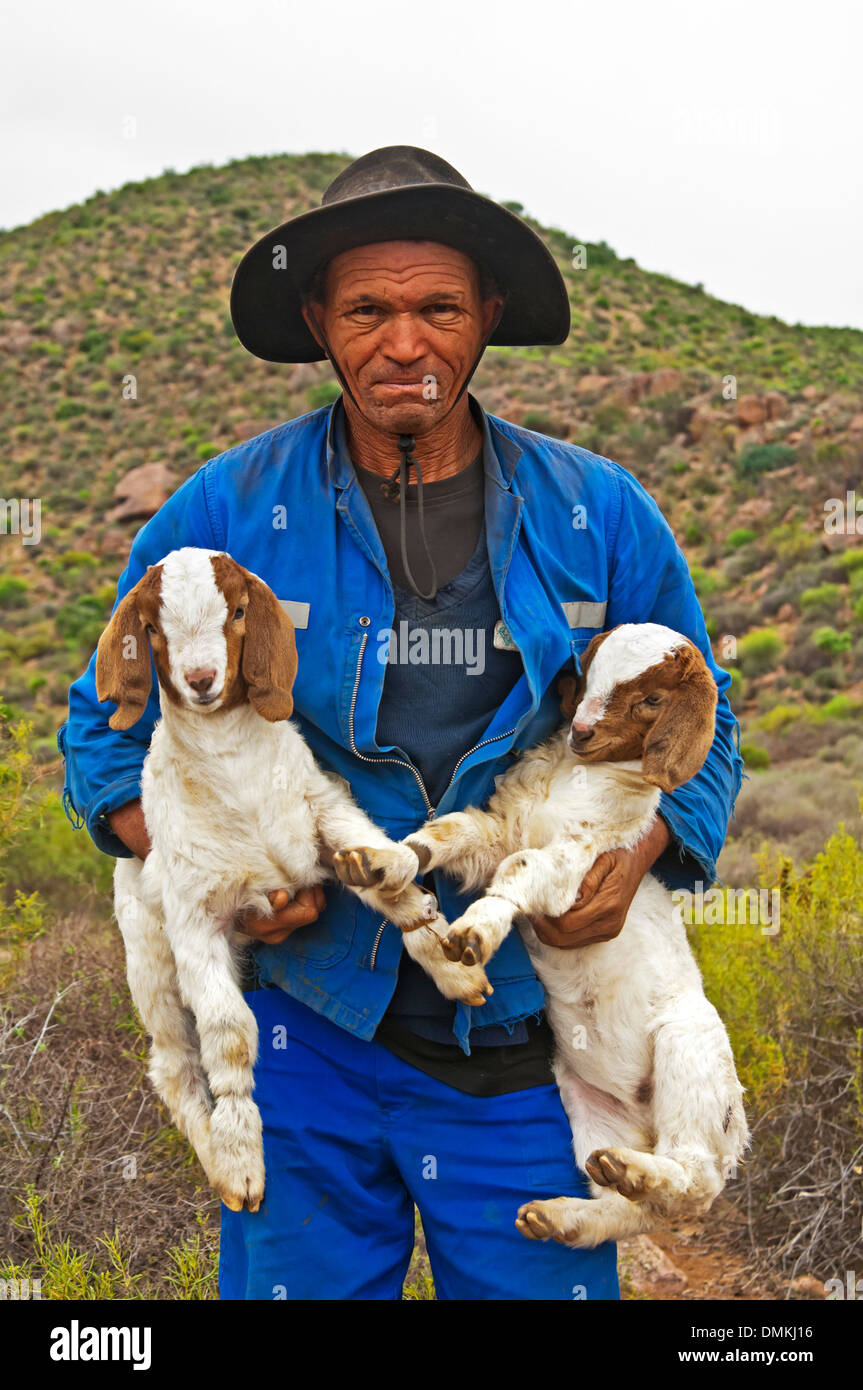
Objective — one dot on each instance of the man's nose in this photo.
(405, 340)
(200, 680)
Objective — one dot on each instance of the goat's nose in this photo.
(200, 680)
(580, 734)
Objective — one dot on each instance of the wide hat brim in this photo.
(266, 295)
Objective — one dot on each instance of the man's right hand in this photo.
(127, 823)
(288, 914)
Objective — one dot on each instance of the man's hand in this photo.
(288, 914)
(605, 895)
(127, 823)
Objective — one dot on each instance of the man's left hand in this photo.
(605, 895)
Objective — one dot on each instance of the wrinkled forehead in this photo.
(626, 654)
(191, 594)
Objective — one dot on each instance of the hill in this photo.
(742, 427)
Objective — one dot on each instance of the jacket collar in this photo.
(500, 453)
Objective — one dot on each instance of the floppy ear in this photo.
(123, 672)
(269, 661)
(678, 743)
(567, 689)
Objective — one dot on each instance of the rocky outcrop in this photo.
(141, 493)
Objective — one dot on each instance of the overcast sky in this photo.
(716, 143)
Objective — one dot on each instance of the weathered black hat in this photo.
(393, 194)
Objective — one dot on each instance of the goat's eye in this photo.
(148, 627)
(240, 613)
(652, 700)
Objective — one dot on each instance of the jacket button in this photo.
(364, 622)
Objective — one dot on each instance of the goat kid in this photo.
(642, 1059)
(235, 805)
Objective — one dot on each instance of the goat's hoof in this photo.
(389, 870)
(236, 1154)
(559, 1218)
(608, 1168)
(467, 945)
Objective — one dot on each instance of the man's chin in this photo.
(410, 416)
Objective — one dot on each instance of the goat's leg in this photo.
(531, 882)
(467, 845)
(698, 1116)
(229, 1042)
(606, 1215)
(175, 1063)
(362, 855)
(584, 1222)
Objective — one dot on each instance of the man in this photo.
(442, 568)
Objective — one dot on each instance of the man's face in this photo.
(404, 320)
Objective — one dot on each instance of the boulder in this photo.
(664, 381)
(776, 405)
(629, 390)
(591, 384)
(751, 410)
(141, 492)
(651, 1270)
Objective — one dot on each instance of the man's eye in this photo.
(443, 308)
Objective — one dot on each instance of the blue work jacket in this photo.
(575, 545)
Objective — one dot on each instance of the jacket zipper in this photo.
(402, 763)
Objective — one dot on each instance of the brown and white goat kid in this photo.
(235, 806)
(642, 1059)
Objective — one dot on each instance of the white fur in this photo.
(625, 1012)
(626, 653)
(235, 807)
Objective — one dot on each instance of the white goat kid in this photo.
(235, 806)
(643, 1060)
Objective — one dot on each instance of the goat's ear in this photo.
(567, 689)
(123, 672)
(681, 738)
(269, 662)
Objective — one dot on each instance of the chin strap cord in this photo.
(397, 487)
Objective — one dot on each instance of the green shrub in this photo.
(704, 582)
(852, 560)
(12, 591)
(764, 458)
(82, 620)
(325, 394)
(67, 410)
(758, 652)
(840, 707)
(754, 756)
(829, 640)
(823, 599)
(742, 536)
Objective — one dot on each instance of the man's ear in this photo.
(269, 660)
(123, 671)
(678, 743)
(311, 313)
